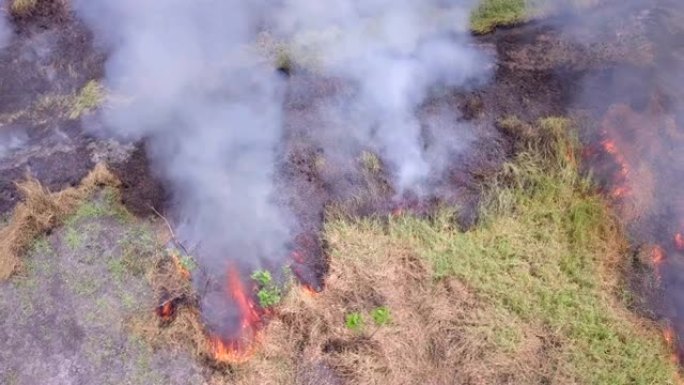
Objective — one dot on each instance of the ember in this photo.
(620, 189)
(166, 311)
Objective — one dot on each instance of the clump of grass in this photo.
(41, 211)
(370, 162)
(89, 98)
(492, 13)
(269, 293)
(353, 321)
(23, 7)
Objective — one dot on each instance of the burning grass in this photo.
(41, 211)
(529, 296)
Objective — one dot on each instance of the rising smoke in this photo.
(393, 52)
(185, 78)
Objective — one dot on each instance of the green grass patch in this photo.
(546, 254)
(492, 13)
(89, 98)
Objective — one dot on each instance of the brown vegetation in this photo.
(41, 211)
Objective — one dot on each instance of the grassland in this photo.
(530, 295)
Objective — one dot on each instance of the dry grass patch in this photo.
(41, 211)
(23, 7)
(28, 8)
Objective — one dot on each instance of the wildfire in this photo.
(670, 338)
(657, 256)
(240, 348)
(621, 190)
(679, 241)
(166, 310)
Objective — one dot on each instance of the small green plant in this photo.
(269, 293)
(89, 98)
(353, 321)
(187, 262)
(262, 277)
(381, 316)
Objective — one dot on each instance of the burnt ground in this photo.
(63, 318)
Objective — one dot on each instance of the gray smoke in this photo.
(185, 76)
(210, 112)
(394, 52)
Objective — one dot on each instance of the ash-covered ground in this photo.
(62, 318)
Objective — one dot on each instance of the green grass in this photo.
(89, 98)
(546, 254)
(492, 13)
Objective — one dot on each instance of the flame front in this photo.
(620, 189)
(679, 241)
(239, 348)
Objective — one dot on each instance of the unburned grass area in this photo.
(489, 14)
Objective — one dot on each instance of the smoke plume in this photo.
(393, 53)
(185, 77)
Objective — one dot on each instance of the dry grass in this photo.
(28, 8)
(531, 295)
(41, 211)
(439, 331)
(23, 7)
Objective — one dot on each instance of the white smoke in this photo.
(185, 77)
(209, 111)
(394, 51)
(5, 28)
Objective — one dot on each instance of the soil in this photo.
(63, 316)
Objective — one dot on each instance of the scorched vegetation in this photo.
(528, 296)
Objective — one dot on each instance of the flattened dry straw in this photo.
(41, 211)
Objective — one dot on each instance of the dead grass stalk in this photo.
(41, 211)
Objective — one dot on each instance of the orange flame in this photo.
(185, 273)
(241, 349)
(166, 311)
(621, 190)
(670, 339)
(657, 256)
(679, 241)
